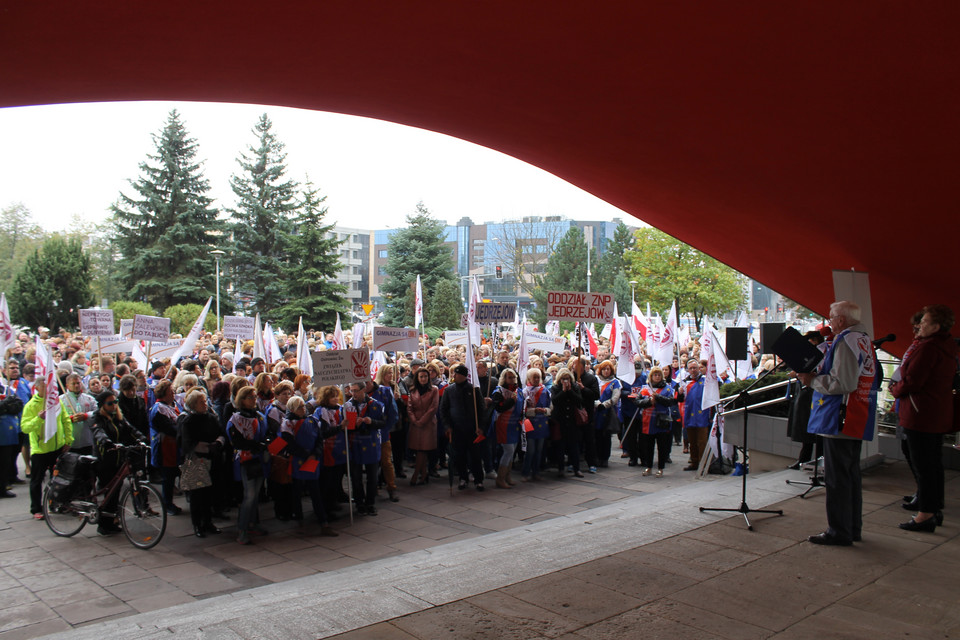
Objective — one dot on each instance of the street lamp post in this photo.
(216, 253)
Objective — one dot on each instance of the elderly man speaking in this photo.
(844, 412)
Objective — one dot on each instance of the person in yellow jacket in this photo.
(43, 453)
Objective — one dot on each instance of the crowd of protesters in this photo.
(271, 437)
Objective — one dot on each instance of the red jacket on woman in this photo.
(925, 388)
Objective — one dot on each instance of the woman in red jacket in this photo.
(925, 391)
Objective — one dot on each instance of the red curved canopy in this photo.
(786, 139)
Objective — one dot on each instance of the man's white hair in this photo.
(846, 309)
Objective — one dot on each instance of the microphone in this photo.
(887, 338)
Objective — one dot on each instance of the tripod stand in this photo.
(815, 479)
(744, 509)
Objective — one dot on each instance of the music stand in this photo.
(744, 509)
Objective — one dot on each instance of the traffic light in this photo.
(499, 272)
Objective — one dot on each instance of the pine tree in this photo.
(52, 285)
(261, 223)
(566, 271)
(309, 285)
(165, 232)
(609, 270)
(417, 250)
(446, 308)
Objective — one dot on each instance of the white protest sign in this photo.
(496, 312)
(580, 306)
(96, 322)
(545, 342)
(238, 327)
(161, 350)
(340, 366)
(116, 344)
(151, 328)
(390, 339)
(464, 320)
(455, 338)
(126, 328)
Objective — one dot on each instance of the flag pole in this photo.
(346, 450)
(99, 357)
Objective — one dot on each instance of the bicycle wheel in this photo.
(142, 516)
(65, 520)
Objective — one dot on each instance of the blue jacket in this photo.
(10, 422)
(693, 415)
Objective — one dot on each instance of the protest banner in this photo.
(340, 366)
(116, 344)
(150, 328)
(126, 328)
(238, 327)
(495, 312)
(161, 350)
(464, 320)
(391, 339)
(580, 306)
(96, 322)
(545, 342)
(455, 338)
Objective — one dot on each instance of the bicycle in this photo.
(143, 525)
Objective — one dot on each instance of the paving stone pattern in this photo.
(708, 579)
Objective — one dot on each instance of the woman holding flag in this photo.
(537, 410)
(508, 406)
(656, 401)
(605, 419)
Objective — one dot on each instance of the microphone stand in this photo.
(744, 509)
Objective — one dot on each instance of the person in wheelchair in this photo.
(109, 430)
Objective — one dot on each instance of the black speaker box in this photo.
(737, 343)
(769, 332)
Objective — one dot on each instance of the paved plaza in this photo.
(600, 557)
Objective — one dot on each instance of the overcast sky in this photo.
(75, 159)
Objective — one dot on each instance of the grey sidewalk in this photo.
(645, 550)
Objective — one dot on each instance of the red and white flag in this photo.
(47, 371)
(271, 348)
(628, 349)
(7, 336)
(640, 321)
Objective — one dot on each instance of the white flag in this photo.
(629, 348)
(258, 350)
(377, 360)
(417, 307)
(190, 341)
(7, 336)
(141, 357)
(304, 361)
(475, 298)
(358, 330)
(523, 357)
(47, 371)
(237, 351)
(470, 362)
(339, 341)
(717, 363)
(271, 347)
